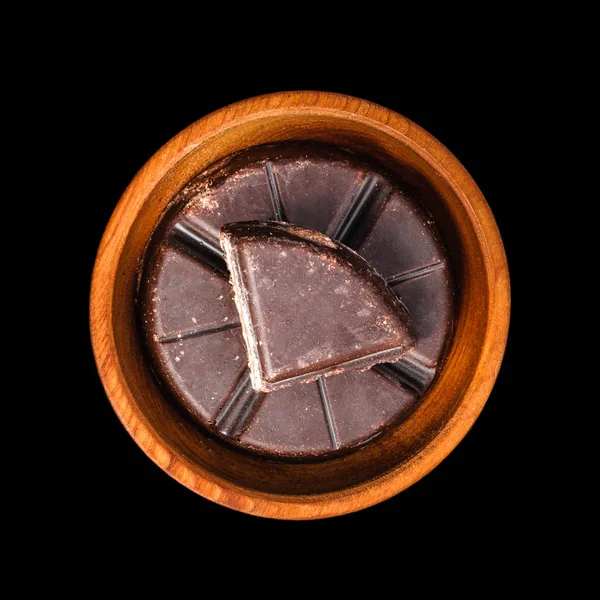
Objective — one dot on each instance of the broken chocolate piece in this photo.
(309, 306)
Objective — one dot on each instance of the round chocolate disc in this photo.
(194, 330)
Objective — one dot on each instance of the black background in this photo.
(485, 485)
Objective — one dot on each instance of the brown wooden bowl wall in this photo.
(402, 455)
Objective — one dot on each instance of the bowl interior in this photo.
(439, 195)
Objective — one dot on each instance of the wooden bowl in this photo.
(402, 455)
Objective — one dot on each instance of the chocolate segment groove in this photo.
(236, 414)
(200, 247)
(275, 193)
(191, 333)
(414, 273)
(408, 371)
(369, 195)
(327, 412)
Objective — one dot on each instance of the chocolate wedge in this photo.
(309, 306)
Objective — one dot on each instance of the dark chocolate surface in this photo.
(309, 306)
(193, 328)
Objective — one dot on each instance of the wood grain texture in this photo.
(404, 454)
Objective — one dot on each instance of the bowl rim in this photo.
(475, 395)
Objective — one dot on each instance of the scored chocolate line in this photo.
(199, 247)
(239, 409)
(187, 234)
(327, 411)
(275, 193)
(369, 195)
(414, 273)
(408, 371)
(197, 332)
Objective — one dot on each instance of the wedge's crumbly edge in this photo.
(243, 307)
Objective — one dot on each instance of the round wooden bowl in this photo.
(402, 455)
